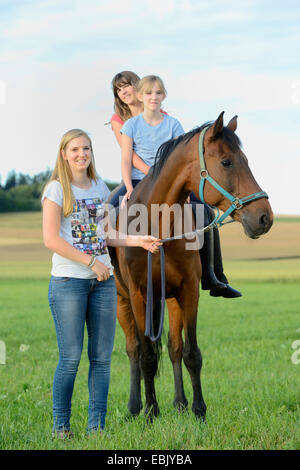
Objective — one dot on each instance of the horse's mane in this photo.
(165, 150)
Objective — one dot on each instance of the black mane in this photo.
(165, 150)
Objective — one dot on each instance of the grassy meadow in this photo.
(250, 383)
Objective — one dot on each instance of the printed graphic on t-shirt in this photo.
(87, 231)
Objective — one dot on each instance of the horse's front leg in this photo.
(149, 359)
(175, 346)
(127, 322)
(188, 300)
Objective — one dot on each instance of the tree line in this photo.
(22, 192)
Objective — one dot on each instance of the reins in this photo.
(236, 204)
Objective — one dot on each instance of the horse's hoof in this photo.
(200, 412)
(130, 416)
(134, 408)
(151, 412)
(180, 406)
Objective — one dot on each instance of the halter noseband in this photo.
(236, 203)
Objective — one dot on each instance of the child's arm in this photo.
(116, 127)
(137, 162)
(126, 164)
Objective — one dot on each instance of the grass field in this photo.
(250, 383)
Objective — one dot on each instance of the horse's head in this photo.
(227, 166)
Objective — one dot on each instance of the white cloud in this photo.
(274, 157)
(60, 21)
(248, 92)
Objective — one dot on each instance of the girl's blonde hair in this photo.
(62, 171)
(123, 78)
(145, 85)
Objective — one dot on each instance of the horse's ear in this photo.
(232, 124)
(218, 125)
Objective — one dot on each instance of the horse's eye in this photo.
(226, 163)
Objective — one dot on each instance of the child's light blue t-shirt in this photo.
(147, 139)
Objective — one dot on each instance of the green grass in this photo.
(250, 385)
(287, 219)
(277, 270)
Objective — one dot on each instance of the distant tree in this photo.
(23, 192)
(43, 177)
(4, 201)
(11, 180)
(111, 185)
(23, 179)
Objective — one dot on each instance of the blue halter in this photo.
(236, 203)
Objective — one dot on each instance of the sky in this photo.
(58, 57)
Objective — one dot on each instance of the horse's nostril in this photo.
(264, 220)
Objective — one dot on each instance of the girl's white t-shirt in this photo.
(83, 229)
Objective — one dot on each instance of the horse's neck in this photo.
(169, 186)
(167, 195)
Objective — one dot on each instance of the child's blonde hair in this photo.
(146, 84)
(62, 172)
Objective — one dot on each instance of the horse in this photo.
(176, 173)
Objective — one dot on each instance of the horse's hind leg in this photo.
(191, 352)
(127, 322)
(175, 345)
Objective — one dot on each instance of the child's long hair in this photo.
(62, 172)
(123, 78)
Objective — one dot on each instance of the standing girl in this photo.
(82, 288)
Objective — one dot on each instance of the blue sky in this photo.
(57, 59)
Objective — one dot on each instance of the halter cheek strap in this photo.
(236, 203)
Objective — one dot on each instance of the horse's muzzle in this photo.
(258, 222)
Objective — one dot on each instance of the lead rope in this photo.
(149, 328)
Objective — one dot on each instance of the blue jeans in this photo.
(121, 192)
(73, 303)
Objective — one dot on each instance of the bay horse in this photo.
(174, 176)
